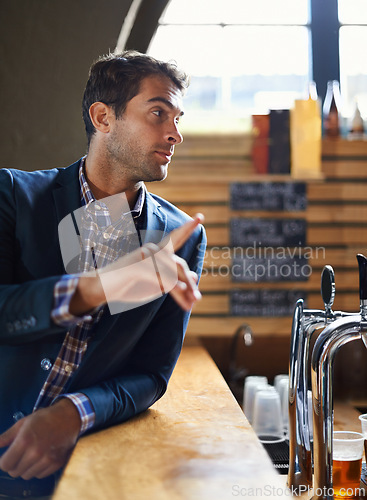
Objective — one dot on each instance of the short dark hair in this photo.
(115, 79)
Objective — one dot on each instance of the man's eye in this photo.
(158, 112)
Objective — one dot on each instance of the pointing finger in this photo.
(180, 235)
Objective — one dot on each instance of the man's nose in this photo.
(174, 136)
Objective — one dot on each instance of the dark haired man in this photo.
(69, 365)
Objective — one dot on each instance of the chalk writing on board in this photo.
(265, 302)
(277, 269)
(283, 196)
(269, 232)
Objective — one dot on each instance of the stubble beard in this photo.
(127, 161)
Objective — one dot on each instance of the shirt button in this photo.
(18, 415)
(106, 236)
(68, 368)
(46, 364)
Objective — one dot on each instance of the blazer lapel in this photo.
(67, 193)
(156, 226)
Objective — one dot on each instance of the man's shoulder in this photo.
(175, 216)
(38, 178)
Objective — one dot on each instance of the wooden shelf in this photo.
(199, 181)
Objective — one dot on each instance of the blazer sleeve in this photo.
(146, 376)
(24, 307)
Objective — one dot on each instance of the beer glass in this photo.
(347, 463)
(363, 419)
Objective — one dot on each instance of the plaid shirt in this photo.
(108, 230)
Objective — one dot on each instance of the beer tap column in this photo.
(305, 322)
(335, 335)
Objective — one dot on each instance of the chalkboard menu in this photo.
(271, 267)
(267, 232)
(285, 196)
(265, 302)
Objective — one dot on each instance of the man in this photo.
(67, 364)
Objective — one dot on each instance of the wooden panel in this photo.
(191, 192)
(340, 258)
(315, 213)
(223, 326)
(334, 235)
(214, 214)
(223, 145)
(337, 213)
(345, 169)
(220, 280)
(212, 304)
(337, 191)
(223, 170)
(211, 190)
(219, 303)
(341, 148)
(323, 235)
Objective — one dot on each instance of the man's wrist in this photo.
(83, 407)
(64, 291)
(70, 414)
(88, 295)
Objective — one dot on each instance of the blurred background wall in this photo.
(46, 50)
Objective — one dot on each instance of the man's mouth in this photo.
(166, 155)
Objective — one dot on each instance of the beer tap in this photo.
(305, 322)
(335, 335)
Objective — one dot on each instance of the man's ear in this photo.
(100, 115)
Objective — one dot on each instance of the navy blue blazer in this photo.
(132, 354)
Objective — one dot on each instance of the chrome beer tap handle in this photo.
(328, 289)
(335, 335)
(305, 322)
(362, 264)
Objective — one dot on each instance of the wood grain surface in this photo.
(194, 443)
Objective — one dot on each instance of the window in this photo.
(353, 63)
(247, 56)
(243, 56)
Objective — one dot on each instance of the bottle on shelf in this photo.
(332, 110)
(305, 135)
(357, 126)
(312, 91)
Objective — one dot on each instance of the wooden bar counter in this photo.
(193, 444)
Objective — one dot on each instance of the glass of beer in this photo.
(347, 463)
(363, 419)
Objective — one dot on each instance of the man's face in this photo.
(141, 142)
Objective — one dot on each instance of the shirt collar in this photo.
(87, 196)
